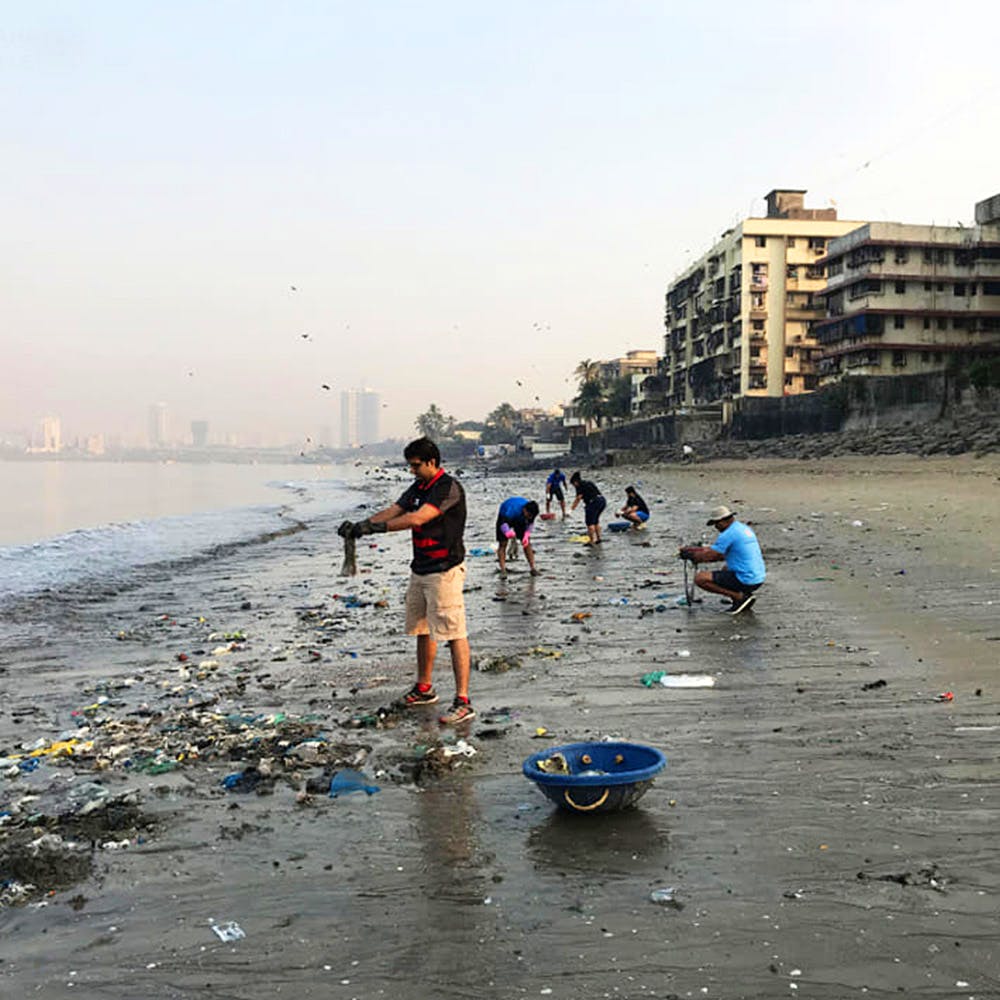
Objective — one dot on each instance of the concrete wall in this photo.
(854, 403)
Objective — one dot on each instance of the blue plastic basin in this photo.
(629, 769)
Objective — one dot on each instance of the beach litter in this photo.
(662, 678)
(230, 931)
(350, 564)
(946, 696)
(667, 897)
(347, 781)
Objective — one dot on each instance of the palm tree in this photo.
(590, 401)
(504, 416)
(588, 371)
(434, 424)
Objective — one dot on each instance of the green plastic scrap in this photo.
(653, 678)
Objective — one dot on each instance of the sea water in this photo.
(63, 524)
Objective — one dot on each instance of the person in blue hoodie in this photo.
(738, 546)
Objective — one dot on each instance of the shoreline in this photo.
(784, 782)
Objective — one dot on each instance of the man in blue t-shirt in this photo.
(738, 546)
(554, 490)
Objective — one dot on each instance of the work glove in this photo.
(510, 533)
(366, 527)
(345, 529)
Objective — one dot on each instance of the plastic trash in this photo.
(687, 681)
(667, 896)
(229, 932)
(242, 781)
(347, 781)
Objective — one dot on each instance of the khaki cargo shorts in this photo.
(435, 605)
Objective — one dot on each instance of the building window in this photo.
(757, 325)
(902, 255)
(938, 357)
(900, 287)
(927, 322)
(788, 380)
(942, 323)
(789, 352)
(959, 288)
(928, 286)
(939, 256)
(928, 257)
(760, 241)
(817, 243)
(810, 381)
(793, 272)
(899, 359)
(899, 322)
(925, 358)
(940, 286)
(791, 241)
(814, 271)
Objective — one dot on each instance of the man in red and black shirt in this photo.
(433, 508)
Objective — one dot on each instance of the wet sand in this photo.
(823, 839)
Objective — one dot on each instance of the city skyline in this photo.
(493, 196)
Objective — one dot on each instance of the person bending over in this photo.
(635, 509)
(738, 546)
(433, 508)
(593, 504)
(515, 520)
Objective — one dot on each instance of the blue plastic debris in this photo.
(347, 781)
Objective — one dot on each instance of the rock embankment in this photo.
(977, 433)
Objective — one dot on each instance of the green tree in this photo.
(434, 424)
(501, 425)
(587, 371)
(619, 397)
(590, 402)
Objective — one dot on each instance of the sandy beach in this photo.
(827, 824)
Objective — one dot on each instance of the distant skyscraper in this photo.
(199, 433)
(368, 417)
(157, 425)
(51, 434)
(359, 413)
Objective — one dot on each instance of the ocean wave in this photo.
(112, 555)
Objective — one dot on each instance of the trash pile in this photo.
(68, 793)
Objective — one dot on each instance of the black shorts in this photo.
(728, 579)
(592, 511)
(556, 493)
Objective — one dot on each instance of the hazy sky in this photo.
(435, 179)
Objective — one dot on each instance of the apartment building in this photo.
(909, 298)
(740, 320)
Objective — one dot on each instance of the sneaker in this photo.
(461, 711)
(745, 603)
(415, 697)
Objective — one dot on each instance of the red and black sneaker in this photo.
(461, 711)
(415, 697)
